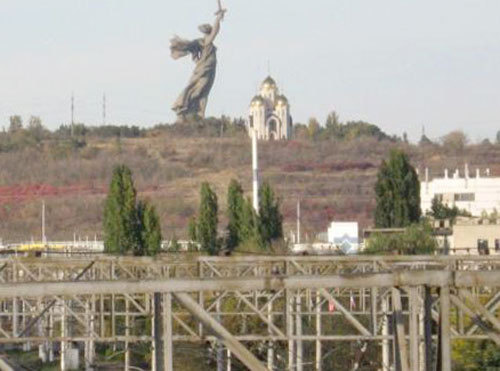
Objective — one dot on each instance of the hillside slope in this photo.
(334, 180)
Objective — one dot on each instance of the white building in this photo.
(269, 113)
(477, 194)
(345, 236)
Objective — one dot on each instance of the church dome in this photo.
(270, 81)
(257, 99)
(282, 99)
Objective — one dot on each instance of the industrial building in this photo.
(476, 194)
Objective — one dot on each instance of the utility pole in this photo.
(298, 221)
(72, 114)
(104, 109)
(44, 239)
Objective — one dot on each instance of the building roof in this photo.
(282, 98)
(257, 98)
(269, 80)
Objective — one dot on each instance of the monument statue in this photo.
(193, 100)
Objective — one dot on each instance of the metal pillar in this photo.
(168, 353)
(127, 334)
(413, 330)
(270, 344)
(318, 364)
(64, 344)
(399, 331)
(157, 333)
(429, 362)
(444, 335)
(245, 356)
(298, 327)
(386, 366)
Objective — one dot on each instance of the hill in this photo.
(333, 178)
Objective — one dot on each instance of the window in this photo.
(470, 197)
(250, 121)
(439, 197)
(482, 247)
(497, 244)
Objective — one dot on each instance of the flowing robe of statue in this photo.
(193, 100)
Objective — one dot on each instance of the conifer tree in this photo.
(149, 230)
(397, 193)
(120, 219)
(270, 224)
(235, 204)
(206, 230)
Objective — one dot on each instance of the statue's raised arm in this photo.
(192, 102)
(216, 27)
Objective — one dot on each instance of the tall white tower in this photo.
(255, 172)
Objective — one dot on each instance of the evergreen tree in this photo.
(149, 230)
(206, 230)
(235, 204)
(397, 193)
(249, 221)
(192, 227)
(120, 217)
(270, 218)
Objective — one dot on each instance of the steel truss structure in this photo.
(266, 313)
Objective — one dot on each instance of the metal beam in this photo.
(236, 348)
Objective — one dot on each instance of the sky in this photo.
(400, 64)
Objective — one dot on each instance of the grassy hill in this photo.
(334, 179)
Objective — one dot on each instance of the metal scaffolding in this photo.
(269, 313)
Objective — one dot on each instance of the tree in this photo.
(16, 123)
(397, 192)
(206, 228)
(313, 128)
(120, 215)
(149, 230)
(455, 141)
(270, 225)
(36, 128)
(441, 211)
(235, 204)
(416, 239)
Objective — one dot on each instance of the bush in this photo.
(416, 239)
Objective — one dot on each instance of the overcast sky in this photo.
(399, 64)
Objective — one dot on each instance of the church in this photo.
(269, 113)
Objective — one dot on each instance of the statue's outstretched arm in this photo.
(216, 26)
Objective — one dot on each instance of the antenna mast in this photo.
(104, 109)
(72, 113)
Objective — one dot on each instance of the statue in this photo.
(193, 100)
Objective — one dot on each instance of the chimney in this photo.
(488, 172)
(427, 180)
(478, 173)
(446, 173)
(466, 170)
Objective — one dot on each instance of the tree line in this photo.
(132, 226)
